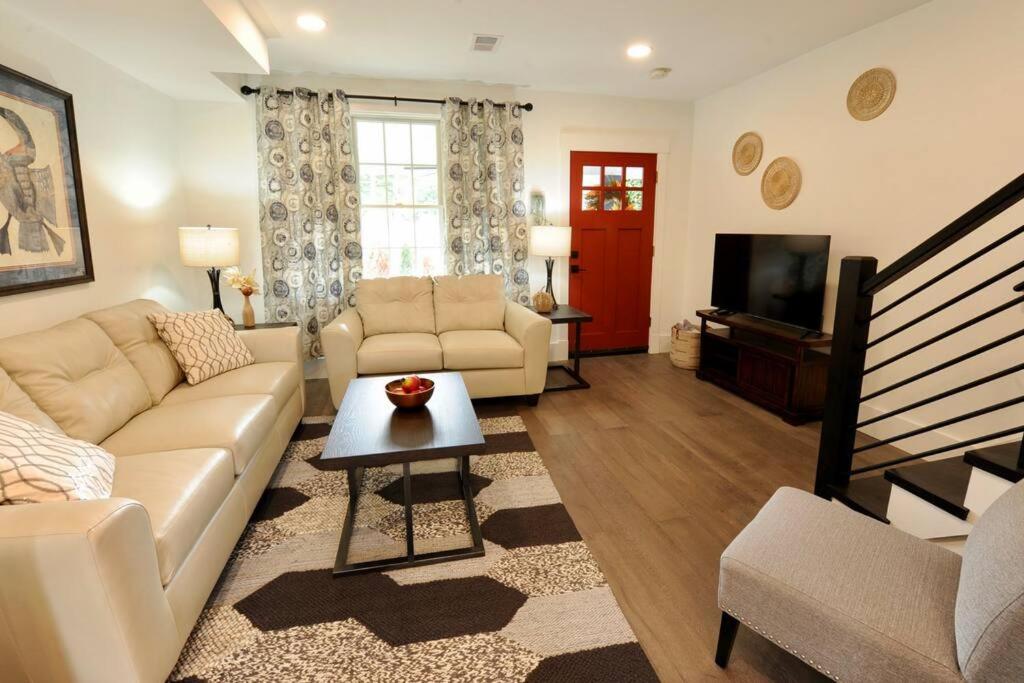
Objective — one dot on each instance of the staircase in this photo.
(939, 491)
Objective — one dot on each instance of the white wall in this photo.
(952, 136)
(126, 139)
(219, 165)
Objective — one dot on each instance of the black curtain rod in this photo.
(246, 90)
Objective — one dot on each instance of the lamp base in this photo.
(550, 263)
(214, 275)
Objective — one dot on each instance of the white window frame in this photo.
(409, 118)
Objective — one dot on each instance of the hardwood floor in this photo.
(660, 471)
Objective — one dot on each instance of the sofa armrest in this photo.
(280, 345)
(81, 597)
(533, 332)
(341, 339)
(270, 344)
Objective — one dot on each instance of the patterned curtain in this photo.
(483, 161)
(309, 209)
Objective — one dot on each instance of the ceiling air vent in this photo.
(485, 43)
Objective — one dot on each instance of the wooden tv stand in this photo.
(775, 366)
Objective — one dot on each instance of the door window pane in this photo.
(396, 143)
(634, 176)
(634, 200)
(591, 176)
(370, 142)
(424, 144)
(613, 200)
(591, 200)
(612, 176)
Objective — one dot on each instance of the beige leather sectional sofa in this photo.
(108, 590)
(418, 324)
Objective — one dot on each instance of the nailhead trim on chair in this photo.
(785, 647)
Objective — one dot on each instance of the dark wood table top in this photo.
(565, 314)
(370, 432)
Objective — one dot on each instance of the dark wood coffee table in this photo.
(370, 432)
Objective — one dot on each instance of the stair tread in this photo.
(1002, 460)
(942, 483)
(869, 495)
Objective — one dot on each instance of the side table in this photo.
(567, 315)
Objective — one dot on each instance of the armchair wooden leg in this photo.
(726, 638)
(532, 399)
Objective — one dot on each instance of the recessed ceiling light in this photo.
(311, 22)
(639, 51)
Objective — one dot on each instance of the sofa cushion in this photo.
(15, 401)
(76, 375)
(279, 379)
(470, 302)
(38, 465)
(859, 599)
(396, 304)
(204, 343)
(406, 352)
(182, 491)
(480, 350)
(133, 333)
(239, 424)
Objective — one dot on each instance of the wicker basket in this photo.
(685, 351)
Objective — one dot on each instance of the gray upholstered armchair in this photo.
(861, 601)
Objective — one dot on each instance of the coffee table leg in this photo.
(342, 567)
(355, 481)
(407, 499)
(467, 498)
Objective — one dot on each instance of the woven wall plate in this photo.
(780, 183)
(871, 94)
(746, 153)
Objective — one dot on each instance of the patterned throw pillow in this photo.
(204, 343)
(38, 465)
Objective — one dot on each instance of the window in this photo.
(399, 197)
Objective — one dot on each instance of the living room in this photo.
(510, 204)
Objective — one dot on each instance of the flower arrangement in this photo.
(247, 285)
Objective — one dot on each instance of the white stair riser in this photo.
(921, 518)
(982, 491)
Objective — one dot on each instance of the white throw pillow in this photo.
(38, 465)
(204, 343)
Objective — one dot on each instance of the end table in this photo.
(567, 315)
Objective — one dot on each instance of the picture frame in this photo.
(44, 235)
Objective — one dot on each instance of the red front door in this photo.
(611, 210)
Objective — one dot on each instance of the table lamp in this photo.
(210, 248)
(550, 241)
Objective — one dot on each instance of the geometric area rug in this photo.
(534, 608)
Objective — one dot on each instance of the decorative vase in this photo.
(248, 315)
(543, 302)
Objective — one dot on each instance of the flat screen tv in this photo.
(778, 277)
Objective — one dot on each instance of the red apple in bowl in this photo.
(411, 384)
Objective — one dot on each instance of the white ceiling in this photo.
(566, 45)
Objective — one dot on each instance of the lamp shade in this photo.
(208, 247)
(550, 240)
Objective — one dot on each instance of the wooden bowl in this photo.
(409, 401)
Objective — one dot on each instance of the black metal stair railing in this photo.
(859, 283)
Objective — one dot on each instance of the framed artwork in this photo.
(44, 241)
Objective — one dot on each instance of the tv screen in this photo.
(779, 277)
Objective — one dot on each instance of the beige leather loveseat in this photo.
(108, 590)
(418, 324)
